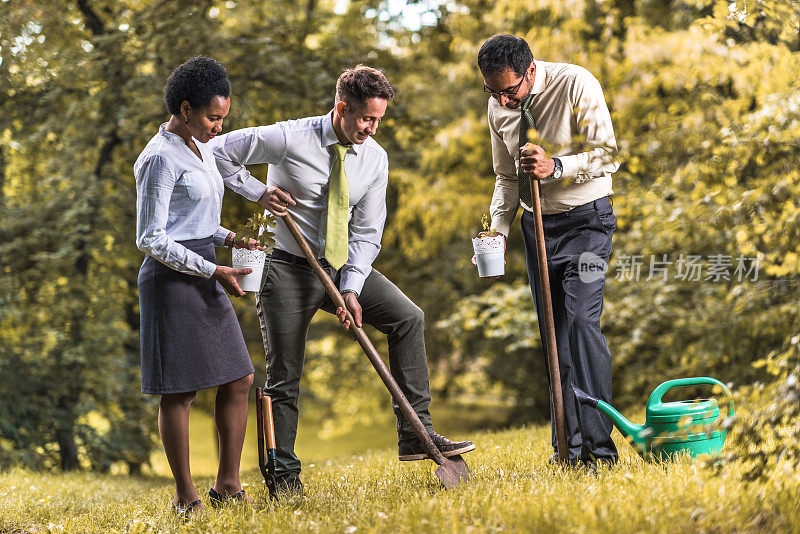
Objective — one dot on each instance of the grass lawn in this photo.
(453, 421)
(512, 490)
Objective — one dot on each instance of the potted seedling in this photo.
(489, 249)
(257, 227)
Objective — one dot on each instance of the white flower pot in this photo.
(253, 259)
(489, 255)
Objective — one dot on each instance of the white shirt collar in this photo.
(175, 138)
(539, 78)
(329, 134)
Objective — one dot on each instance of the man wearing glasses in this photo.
(332, 176)
(558, 113)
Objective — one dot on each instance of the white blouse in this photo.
(179, 197)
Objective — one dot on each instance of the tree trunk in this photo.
(2, 175)
(68, 449)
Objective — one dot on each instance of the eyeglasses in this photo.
(506, 92)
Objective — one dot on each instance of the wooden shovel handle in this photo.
(269, 425)
(260, 426)
(549, 326)
(323, 276)
(361, 336)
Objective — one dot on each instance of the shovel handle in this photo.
(323, 276)
(260, 426)
(266, 463)
(549, 326)
(269, 426)
(361, 336)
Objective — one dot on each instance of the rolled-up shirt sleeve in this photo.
(366, 231)
(154, 186)
(505, 199)
(248, 146)
(595, 133)
(220, 236)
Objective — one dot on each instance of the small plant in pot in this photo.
(257, 228)
(489, 249)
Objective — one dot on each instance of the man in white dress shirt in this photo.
(558, 112)
(331, 175)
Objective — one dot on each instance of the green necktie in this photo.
(525, 123)
(336, 233)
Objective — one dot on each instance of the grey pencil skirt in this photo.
(190, 337)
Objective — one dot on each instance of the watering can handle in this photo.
(655, 396)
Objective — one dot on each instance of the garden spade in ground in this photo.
(451, 471)
(265, 428)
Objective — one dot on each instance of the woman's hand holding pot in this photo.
(227, 277)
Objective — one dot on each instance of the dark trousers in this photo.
(577, 296)
(290, 296)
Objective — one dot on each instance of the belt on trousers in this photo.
(282, 255)
(589, 206)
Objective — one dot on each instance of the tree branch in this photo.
(312, 4)
(2, 175)
(92, 20)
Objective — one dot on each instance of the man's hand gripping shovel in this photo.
(265, 428)
(451, 471)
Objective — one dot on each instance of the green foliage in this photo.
(258, 227)
(68, 332)
(488, 231)
(501, 347)
(767, 438)
(345, 392)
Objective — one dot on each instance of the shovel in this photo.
(264, 426)
(451, 471)
(549, 326)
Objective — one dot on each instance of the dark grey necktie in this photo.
(525, 123)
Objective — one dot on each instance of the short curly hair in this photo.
(357, 85)
(503, 51)
(197, 81)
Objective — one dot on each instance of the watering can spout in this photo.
(626, 428)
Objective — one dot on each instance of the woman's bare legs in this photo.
(230, 415)
(173, 425)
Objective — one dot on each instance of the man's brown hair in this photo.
(357, 85)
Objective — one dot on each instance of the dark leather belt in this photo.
(282, 255)
(600, 203)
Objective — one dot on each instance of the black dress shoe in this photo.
(188, 512)
(411, 448)
(572, 462)
(590, 465)
(593, 465)
(289, 486)
(218, 500)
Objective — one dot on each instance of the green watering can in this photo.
(672, 427)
